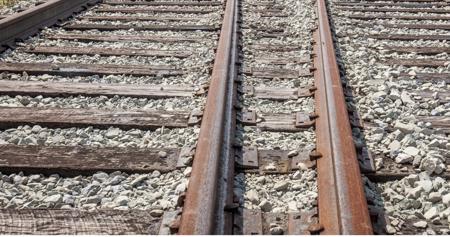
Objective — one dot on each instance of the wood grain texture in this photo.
(408, 37)
(100, 27)
(85, 160)
(121, 38)
(71, 222)
(164, 3)
(108, 52)
(271, 73)
(64, 89)
(154, 10)
(75, 69)
(138, 18)
(56, 117)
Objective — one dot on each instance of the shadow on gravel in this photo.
(373, 193)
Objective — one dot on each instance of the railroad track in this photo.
(212, 117)
(405, 46)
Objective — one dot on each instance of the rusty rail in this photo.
(201, 211)
(28, 22)
(342, 203)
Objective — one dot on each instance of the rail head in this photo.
(342, 203)
(200, 206)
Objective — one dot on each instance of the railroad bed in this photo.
(101, 115)
(224, 117)
(394, 55)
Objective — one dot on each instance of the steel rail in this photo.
(26, 23)
(342, 203)
(201, 210)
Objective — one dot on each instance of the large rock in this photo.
(121, 200)
(253, 196)
(414, 193)
(100, 177)
(412, 151)
(431, 213)
(434, 197)
(265, 205)
(55, 199)
(446, 199)
(406, 99)
(432, 165)
(426, 185)
(281, 186)
(112, 133)
(403, 158)
(420, 224)
(406, 128)
(394, 146)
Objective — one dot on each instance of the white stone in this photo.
(180, 187)
(187, 172)
(415, 192)
(281, 186)
(394, 95)
(406, 99)
(57, 198)
(412, 151)
(434, 197)
(112, 133)
(394, 146)
(292, 205)
(406, 128)
(297, 175)
(420, 224)
(390, 229)
(138, 180)
(403, 158)
(431, 213)
(100, 176)
(277, 230)
(446, 199)
(252, 196)
(162, 154)
(121, 200)
(426, 185)
(292, 153)
(261, 180)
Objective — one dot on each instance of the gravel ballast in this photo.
(392, 106)
(276, 193)
(18, 6)
(117, 190)
(154, 191)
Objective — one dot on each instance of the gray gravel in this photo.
(389, 102)
(103, 102)
(18, 6)
(156, 192)
(277, 193)
(418, 199)
(393, 107)
(251, 136)
(269, 106)
(112, 137)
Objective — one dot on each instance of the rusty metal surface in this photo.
(252, 159)
(27, 23)
(342, 203)
(200, 207)
(256, 222)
